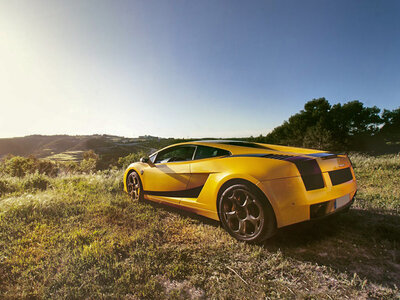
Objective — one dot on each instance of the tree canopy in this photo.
(349, 126)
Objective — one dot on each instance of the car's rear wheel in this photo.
(134, 186)
(246, 214)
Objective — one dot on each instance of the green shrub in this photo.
(46, 167)
(35, 181)
(5, 187)
(88, 165)
(124, 162)
(90, 154)
(18, 166)
(68, 167)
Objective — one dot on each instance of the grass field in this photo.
(67, 156)
(80, 236)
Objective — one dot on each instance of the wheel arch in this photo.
(252, 185)
(127, 172)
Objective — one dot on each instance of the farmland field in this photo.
(80, 236)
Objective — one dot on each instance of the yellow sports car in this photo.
(252, 188)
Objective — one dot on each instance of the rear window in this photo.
(207, 152)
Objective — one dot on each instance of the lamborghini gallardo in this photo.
(251, 188)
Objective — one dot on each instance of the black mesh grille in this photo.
(340, 176)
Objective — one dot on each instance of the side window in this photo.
(207, 152)
(179, 153)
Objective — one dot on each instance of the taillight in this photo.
(310, 172)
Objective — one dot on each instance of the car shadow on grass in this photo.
(175, 209)
(360, 241)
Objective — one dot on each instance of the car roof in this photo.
(244, 147)
(234, 146)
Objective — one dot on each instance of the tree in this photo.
(390, 130)
(353, 125)
(337, 127)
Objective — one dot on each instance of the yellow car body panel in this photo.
(275, 170)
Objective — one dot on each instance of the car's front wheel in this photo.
(134, 186)
(246, 214)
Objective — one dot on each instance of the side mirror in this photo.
(145, 160)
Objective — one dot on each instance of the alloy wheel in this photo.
(133, 185)
(242, 212)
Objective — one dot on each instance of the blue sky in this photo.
(189, 68)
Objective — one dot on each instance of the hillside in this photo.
(67, 147)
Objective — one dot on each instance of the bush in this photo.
(5, 187)
(47, 167)
(69, 167)
(88, 165)
(124, 162)
(35, 181)
(90, 154)
(18, 166)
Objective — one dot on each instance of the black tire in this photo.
(246, 214)
(134, 186)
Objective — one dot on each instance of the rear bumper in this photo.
(292, 203)
(325, 209)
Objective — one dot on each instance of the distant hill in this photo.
(67, 147)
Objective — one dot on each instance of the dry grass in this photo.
(83, 238)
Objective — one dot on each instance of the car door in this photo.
(205, 162)
(168, 176)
